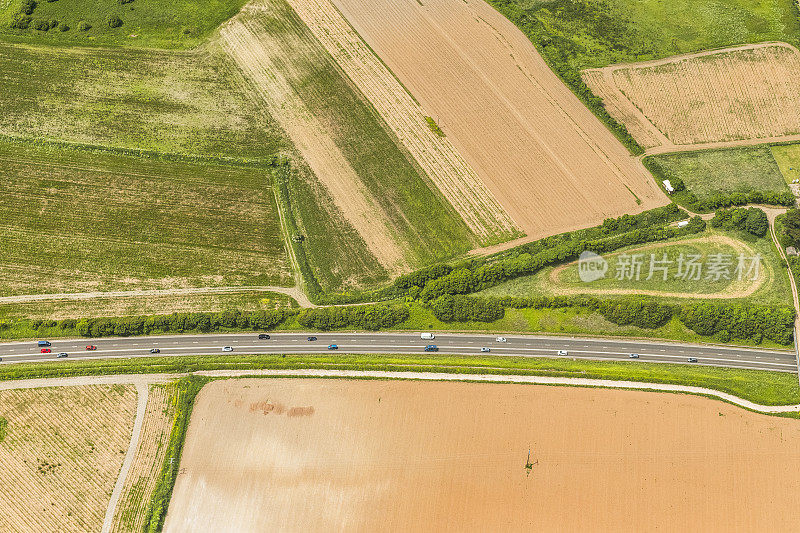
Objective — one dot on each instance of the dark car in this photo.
(311, 338)
(262, 336)
(431, 348)
(43, 343)
(333, 346)
(155, 350)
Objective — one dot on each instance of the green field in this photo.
(75, 220)
(713, 173)
(787, 157)
(774, 290)
(145, 23)
(189, 103)
(596, 33)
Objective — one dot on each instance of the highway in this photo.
(400, 343)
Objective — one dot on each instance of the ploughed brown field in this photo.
(550, 163)
(330, 455)
(725, 97)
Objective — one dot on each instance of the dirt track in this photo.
(363, 456)
(547, 159)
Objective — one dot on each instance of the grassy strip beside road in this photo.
(182, 395)
(763, 387)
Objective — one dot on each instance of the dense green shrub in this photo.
(647, 314)
(177, 323)
(752, 220)
(63, 27)
(27, 7)
(370, 317)
(84, 26)
(20, 21)
(791, 228)
(41, 25)
(113, 21)
(739, 321)
(467, 309)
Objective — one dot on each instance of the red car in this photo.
(46, 350)
(92, 347)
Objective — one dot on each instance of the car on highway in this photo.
(634, 356)
(501, 339)
(155, 350)
(43, 343)
(431, 348)
(692, 360)
(46, 350)
(62, 354)
(91, 347)
(333, 346)
(563, 352)
(262, 336)
(311, 338)
(485, 349)
(426, 336)
(227, 348)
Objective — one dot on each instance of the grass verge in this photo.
(759, 386)
(183, 393)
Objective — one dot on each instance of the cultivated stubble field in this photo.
(61, 455)
(306, 455)
(548, 160)
(734, 94)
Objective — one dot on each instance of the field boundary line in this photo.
(445, 167)
(142, 393)
(145, 379)
(500, 378)
(293, 292)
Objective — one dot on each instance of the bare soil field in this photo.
(734, 94)
(61, 455)
(147, 463)
(438, 157)
(549, 162)
(323, 455)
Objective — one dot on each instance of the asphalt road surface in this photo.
(400, 343)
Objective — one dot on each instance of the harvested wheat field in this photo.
(329, 455)
(141, 479)
(547, 159)
(747, 92)
(61, 454)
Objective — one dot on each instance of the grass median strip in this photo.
(758, 386)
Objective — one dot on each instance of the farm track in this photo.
(449, 172)
(294, 292)
(136, 433)
(375, 374)
(150, 453)
(727, 293)
(552, 164)
(738, 96)
(265, 61)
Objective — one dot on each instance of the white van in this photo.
(427, 336)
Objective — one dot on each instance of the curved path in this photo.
(142, 392)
